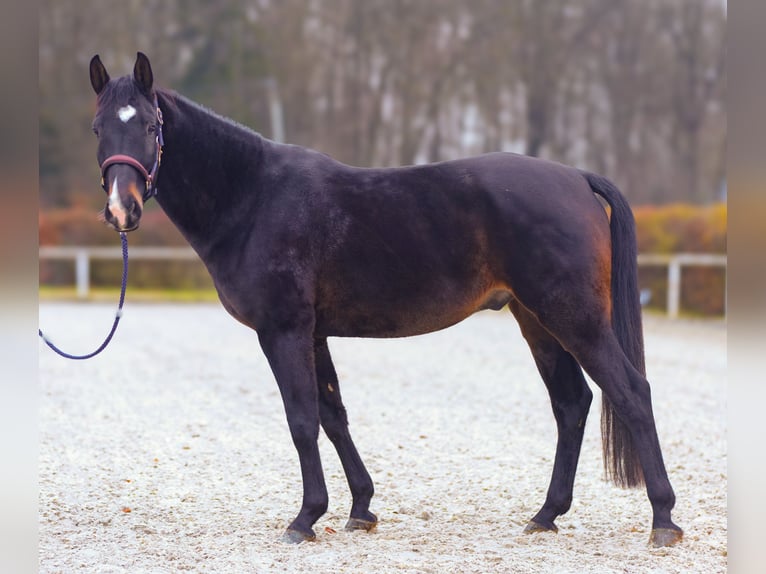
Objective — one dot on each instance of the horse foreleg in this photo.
(332, 415)
(291, 357)
(570, 400)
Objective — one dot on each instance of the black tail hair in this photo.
(621, 462)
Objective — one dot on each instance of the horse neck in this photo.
(209, 176)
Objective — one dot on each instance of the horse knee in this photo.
(334, 421)
(556, 504)
(304, 433)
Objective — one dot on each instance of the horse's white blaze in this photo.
(125, 113)
(116, 208)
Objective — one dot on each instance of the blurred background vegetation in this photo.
(632, 89)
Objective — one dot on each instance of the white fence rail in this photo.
(674, 263)
(82, 257)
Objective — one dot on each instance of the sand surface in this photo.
(170, 452)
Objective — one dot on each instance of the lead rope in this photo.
(117, 317)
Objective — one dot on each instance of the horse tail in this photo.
(621, 462)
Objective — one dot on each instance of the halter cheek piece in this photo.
(150, 177)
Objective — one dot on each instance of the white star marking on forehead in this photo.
(126, 112)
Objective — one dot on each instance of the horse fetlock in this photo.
(663, 500)
(555, 506)
(561, 506)
(313, 510)
(363, 491)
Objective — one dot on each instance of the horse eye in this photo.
(95, 130)
(151, 129)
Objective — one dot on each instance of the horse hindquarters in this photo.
(600, 355)
(600, 327)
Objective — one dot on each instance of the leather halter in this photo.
(150, 177)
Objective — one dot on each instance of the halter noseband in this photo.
(150, 177)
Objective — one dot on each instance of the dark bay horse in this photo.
(302, 248)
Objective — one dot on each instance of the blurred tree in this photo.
(697, 33)
(634, 90)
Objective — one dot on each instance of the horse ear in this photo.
(142, 73)
(99, 78)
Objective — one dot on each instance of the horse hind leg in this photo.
(592, 342)
(630, 396)
(570, 399)
(332, 415)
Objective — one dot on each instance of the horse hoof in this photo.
(295, 537)
(360, 524)
(661, 537)
(533, 526)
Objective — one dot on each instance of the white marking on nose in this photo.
(115, 205)
(126, 112)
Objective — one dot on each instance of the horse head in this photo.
(128, 125)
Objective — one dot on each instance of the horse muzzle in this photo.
(124, 207)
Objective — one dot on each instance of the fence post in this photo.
(674, 287)
(82, 273)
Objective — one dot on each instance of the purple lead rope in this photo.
(117, 317)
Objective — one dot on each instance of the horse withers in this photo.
(302, 247)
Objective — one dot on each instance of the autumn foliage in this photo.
(683, 228)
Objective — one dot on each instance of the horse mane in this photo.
(173, 98)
